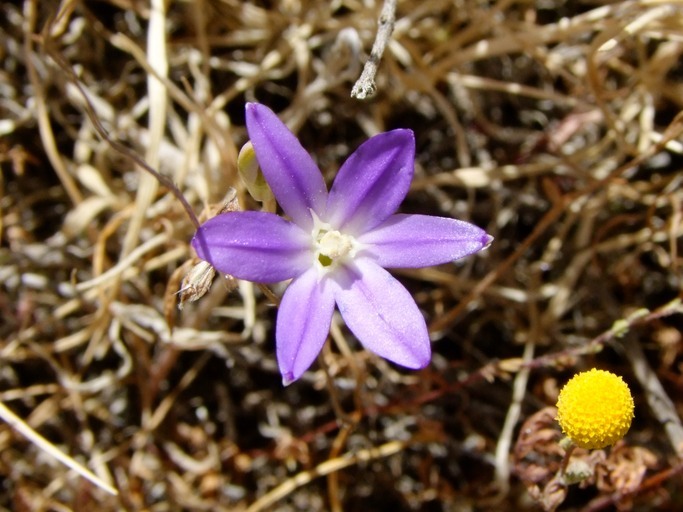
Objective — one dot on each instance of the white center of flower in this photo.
(330, 246)
(334, 245)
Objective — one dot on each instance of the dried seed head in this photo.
(196, 283)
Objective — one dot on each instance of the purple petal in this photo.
(255, 246)
(414, 241)
(295, 180)
(372, 182)
(303, 322)
(382, 314)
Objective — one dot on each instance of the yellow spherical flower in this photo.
(595, 409)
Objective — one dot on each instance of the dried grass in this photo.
(554, 125)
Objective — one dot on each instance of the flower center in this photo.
(331, 246)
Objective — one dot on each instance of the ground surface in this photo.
(553, 125)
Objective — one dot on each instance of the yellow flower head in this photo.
(595, 409)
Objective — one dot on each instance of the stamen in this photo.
(330, 245)
(335, 245)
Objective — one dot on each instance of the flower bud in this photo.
(251, 174)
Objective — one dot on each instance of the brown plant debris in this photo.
(553, 125)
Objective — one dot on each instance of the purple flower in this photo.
(336, 245)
